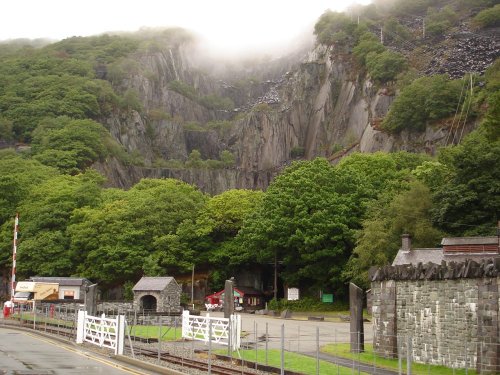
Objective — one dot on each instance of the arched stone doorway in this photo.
(148, 303)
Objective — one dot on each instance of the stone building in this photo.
(440, 305)
(453, 249)
(446, 314)
(158, 294)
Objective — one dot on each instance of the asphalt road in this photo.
(25, 353)
(299, 335)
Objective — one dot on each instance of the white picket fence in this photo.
(224, 331)
(101, 331)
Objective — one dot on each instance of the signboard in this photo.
(293, 294)
(327, 298)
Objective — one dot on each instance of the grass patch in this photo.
(152, 332)
(370, 358)
(293, 362)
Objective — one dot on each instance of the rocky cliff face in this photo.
(313, 105)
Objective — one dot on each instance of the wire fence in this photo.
(277, 345)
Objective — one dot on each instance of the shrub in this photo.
(216, 102)
(333, 27)
(426, 99)
(367, 43)
(297, 152)
(439, 21)
(306, 304)
(488, 17)
(183, 88)
(385, 66)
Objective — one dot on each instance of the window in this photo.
(69, 294)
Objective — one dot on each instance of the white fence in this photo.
(222, 331)
(101, 331)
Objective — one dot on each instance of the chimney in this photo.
(405, 242)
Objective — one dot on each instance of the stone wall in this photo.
(167, 300)
(447, 315)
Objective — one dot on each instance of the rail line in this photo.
(196, 364)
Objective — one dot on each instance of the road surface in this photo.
(25, 353)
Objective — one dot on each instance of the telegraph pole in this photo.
(14, 254)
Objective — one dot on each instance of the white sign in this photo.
(293, 294)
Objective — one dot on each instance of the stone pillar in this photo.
(488, 330)
(228, 298)
(356, 322)
(385, 341)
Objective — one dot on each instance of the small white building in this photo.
(69, 287)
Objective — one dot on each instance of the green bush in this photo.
(334, 27)
(384, 67)
(488, 17)
(306, 304)
(216, 102)
(183, 88)
(426, 99)
(437, 22)
(297, 152)
(367, 43)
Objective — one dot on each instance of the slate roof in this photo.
(62, 281)
(415, 256)
(152, 284)
(469, 241)
(436, 256)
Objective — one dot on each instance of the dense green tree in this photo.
(17, 177)
(438, 21)
(45, 214)
(468, 203)
(333, 27)
(303, 222)
(425, 100)
(488, 17)
(69, 145)
(389, 217)
(385, 66)
(111, 242)
(367, 43)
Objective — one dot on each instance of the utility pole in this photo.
(276, 275)
(423, 28)
(192, 286)
(381, 34)
(14, 255)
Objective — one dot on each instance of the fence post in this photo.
(159, 341)
(399, 344)
(267, 340)
(298, 339)
(466, 360)
(209, 346)
(256, 358)
(120, 334)
(282, 372)
(230, 338)
(409, 356)
(80, 330)
(317, 350)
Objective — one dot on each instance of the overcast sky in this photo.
(227, 24)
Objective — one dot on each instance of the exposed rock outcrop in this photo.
(318, 105)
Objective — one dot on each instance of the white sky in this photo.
(228, 24)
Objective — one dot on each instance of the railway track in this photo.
(197, 364)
